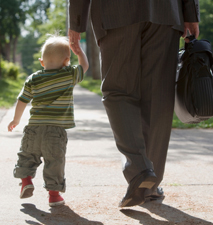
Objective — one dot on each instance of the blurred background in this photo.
(23, 28)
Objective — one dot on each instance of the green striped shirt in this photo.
(51, 96)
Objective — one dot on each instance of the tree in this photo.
(206, 24)
(56, 23)
(27, 46)
(56, 19)
(37, 13)
(11, 16)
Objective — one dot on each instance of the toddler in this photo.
(50, 92)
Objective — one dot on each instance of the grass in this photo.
(176, 123)
(175, 184)
(9, 90)
(91, 85)
(94, 86)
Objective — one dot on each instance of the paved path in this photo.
(95, 183)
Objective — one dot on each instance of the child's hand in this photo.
(74, 41)
(12, 125)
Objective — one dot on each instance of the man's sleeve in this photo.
(26, 94)
(78, 15)
(191, 11)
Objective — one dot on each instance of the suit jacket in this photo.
(110, 14)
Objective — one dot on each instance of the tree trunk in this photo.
(93, 55)
(0, 54)
(7, 49)
(15, 40)
(0, 66)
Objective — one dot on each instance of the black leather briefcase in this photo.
(194, 82)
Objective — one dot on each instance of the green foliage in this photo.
(206, 23)
(37, 12)
(11, 15)
(9, 90)
(9, 70)
(94, 86)
(27, 47)
(36, 63)
(178, 124)
(182, 42)
(56, 20)
(91, 85)
(56, 23)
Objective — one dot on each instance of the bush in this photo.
(9, 70)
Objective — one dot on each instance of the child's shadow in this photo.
(169, 214)
(58, 215)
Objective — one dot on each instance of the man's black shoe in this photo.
(156, 195)
(137, 187)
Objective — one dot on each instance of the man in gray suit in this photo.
(139, 43)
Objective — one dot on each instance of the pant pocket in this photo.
(55, 144)
(28, 140)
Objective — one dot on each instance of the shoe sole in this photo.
(132, 202)
(27, 191)
(148, 183)
(52, 204)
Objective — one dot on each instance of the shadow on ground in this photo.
(164, 215)
(62, 215)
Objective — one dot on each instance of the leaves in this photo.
(11, 16)
(206, 23)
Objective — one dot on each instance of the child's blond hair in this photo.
(55, 49)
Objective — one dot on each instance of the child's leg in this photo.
(55, 199)
(28, 160)
(54, 150)
(27, 187)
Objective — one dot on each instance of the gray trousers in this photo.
(138, 85)
(50, 143)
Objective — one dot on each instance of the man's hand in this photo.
(74, 38)
(192, 28)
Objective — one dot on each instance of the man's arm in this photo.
(20, 107)
(78, 17)
(191, 15)
(191, 12)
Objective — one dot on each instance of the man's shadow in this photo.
(58, 215)
(170, 215)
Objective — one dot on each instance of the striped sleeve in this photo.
(26, 94)
(78, 73)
